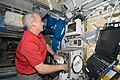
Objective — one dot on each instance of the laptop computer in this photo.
(106, 52)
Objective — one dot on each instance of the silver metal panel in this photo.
(19, 4)
(69, 57)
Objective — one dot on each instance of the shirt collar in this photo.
(39, 36)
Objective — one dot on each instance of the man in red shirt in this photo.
(31, 51)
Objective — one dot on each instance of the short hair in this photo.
(28, 18)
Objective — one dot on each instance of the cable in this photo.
(112, 13)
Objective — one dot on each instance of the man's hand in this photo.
(65, 67)
(56, 57)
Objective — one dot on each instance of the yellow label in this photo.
(106, 78)
(20, 19)
(118, 66)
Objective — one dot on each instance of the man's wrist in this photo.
(53, 54)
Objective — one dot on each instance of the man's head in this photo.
(33, 22)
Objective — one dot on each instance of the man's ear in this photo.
(33, 24)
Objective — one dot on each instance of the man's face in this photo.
(39, 24)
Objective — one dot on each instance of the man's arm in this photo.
(46, 69)
(52, 52)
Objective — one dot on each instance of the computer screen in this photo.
(108, 42)
(74, 27)
(71, 27)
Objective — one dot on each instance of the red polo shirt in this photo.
(30, 52)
